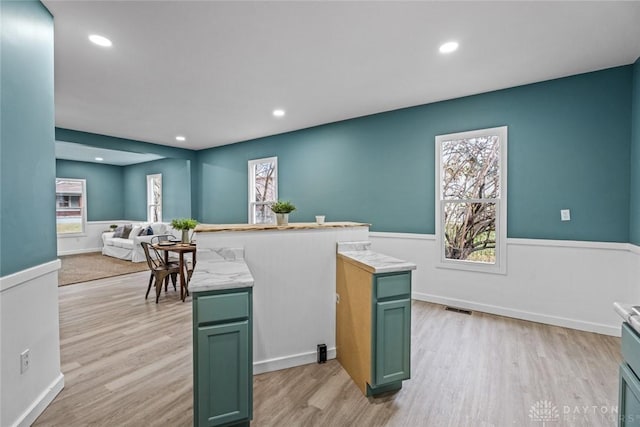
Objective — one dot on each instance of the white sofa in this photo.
(130, 249)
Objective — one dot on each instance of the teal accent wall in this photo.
(27, 158)
(176, 189)
(568, 148)
(634, 212)
(105, 187)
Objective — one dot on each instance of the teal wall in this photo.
(634, 212)
(569, 142)
(27, 158)
(176, 189)
(105, 187)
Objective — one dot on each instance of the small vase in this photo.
(282, 218)
(185, 236)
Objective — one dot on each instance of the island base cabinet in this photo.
(222, 359)
(223, 374)
(373, 327)
(629, 398)
(393, 334)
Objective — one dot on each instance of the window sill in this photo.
(473, 267)
(66, 235)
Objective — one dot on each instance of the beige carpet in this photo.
(94, 265)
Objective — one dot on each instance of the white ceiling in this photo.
(213, 71)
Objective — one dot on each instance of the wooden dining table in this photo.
(180, 249)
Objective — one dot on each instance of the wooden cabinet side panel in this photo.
(353, 322)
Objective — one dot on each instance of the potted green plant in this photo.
(282, 209)
(113, 227)
(184, 224)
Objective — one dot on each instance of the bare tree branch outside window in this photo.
(263, 185)
(154, 198)
(470, 192)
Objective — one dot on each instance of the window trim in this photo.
(500, 266)
(83, 208)
(150, 178)
(252, 186)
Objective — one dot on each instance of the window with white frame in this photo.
(263, 189)
(71, 212)
(154, 198)
(471, 199)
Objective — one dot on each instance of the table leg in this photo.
(183, 285)
(166, 262)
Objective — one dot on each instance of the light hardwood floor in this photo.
(127, 362)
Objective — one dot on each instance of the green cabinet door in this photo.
(223, 389)
(629, 398)
(392, 341)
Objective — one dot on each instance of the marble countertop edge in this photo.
(628, 314)
(221, 268)
(374, 262)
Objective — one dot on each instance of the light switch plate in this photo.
(565, 215)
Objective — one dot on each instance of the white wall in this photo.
(29, 320)
(565, 283)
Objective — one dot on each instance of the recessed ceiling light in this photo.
(99, 159)
(449, 47)
(180, 138)
(100, 40)
(278, 113)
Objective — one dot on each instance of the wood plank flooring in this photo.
(127, 362)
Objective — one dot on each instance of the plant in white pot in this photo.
(282, 210)
(184, 224)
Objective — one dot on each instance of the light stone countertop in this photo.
(629, 315)
(219, 269)
(360, 254)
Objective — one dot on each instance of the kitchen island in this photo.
(294, 272)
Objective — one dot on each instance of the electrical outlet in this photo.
(565, 215)
(25, 361)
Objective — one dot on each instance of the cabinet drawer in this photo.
(631, 347)
(393, 285)
(215, 308)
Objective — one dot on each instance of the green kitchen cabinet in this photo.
(222, 357)
(373, 333)
(392, 343)
(629, 392)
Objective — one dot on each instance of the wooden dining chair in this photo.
(160, 270)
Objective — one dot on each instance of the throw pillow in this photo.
(149, 231)
(119, 231)
(126, 231)
(135, 231)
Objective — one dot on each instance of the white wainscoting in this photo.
(564, 283)
(90, 241)
(29, 320)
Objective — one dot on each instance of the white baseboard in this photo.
(285, 362)
(79, 251)
(613, 330)
(39, 405)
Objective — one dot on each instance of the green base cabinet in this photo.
(222, 358)
(392, 331)
(373, 326)
(629, 393)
